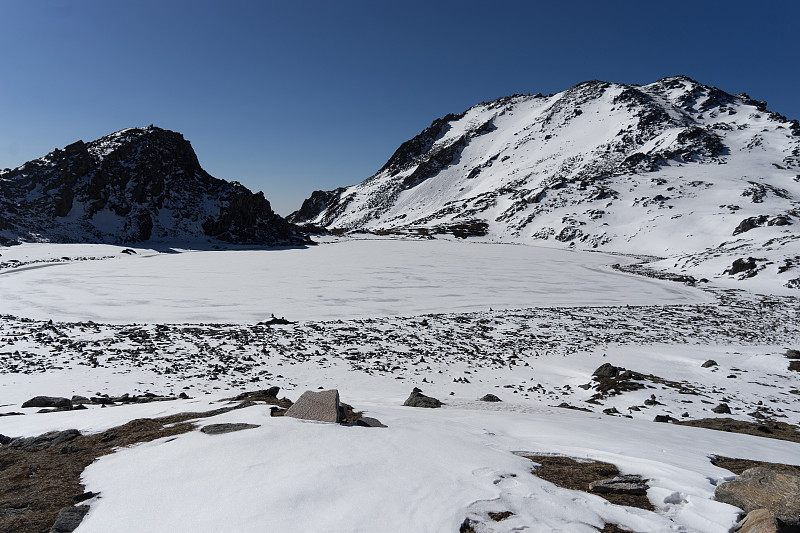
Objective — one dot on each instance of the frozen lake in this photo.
(341, 280)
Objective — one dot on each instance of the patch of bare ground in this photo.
(35, 485)
(769, 429)
(737, 466)
(578, 475)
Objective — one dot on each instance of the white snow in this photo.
(351, 279)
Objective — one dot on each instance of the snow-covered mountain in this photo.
(673, 169)
(135, 185)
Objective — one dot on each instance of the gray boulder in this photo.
(218, 429)
(322, 406)
(369, 422)
(775, 489)
(49, 401)
(709, 363)
(53, 438)
(69, 518)
(490, 398)
(417, 399)
(722, 409)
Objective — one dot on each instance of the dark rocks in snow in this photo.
(750, 223)
(322, 406)
(69, 518)
(747, 267)
(619, 485)
(490, 398)
(40, 442)
(775, 489)
(607, 370)
(218, 429)
(708, 364)
(49, 401)
(417, 399)
(664, 418)
(722, 409)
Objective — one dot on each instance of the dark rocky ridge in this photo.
(135, 185)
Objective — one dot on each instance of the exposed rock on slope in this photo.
(674, 168)
(139, 184)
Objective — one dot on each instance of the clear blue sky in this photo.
(289, 97)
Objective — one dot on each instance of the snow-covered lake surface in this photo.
(341, 280)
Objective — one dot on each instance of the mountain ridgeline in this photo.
(135, 185)
(670, 169)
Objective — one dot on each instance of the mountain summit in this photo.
(670, 169)
(135, 185)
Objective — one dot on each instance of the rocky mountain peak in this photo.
(135, 185)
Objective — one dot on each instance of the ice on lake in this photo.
(340, 280)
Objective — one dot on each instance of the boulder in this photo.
(369, 422)
(80, 400)
(664, 418)
(322, 406)
(619, 485)
(417, 399)
(53, 438)
(490, 398)
(758, 521)
(218, 429)
(607, 370)
(722, 409)
(709, 363)
(49, 401)
(772, 488)
(69, 518)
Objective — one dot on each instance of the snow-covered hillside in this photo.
(674, 169)
(135, 185)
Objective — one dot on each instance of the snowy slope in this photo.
(671, 169)
(135, 185)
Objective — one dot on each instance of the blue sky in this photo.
(291, 97)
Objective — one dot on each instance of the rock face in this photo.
(601, 165)
(417, 399)
(758, 521)
(773, 489)
(135, 185)
(322, 406)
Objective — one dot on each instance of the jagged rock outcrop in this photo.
(135, 185)
(669, 169)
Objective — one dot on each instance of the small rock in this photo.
(49, 401)
(772, 488)
(757, 521)
(322, 406)
(370, 422)
(709, 363)
(664, 418)
(619, 485)
(218, 429)
(722, 409)
(69, 518)
(80, 400)
(417, 399)
(490, 398)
